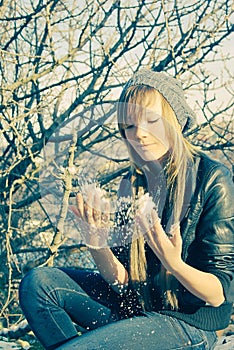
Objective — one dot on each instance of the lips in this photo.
(142, 146)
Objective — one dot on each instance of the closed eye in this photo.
(153, 121)
(131, 126)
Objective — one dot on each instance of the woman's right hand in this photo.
(93, 216)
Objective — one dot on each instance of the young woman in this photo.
(167, 286)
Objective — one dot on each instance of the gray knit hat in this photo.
(172, 91)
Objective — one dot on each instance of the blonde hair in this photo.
(181, 153)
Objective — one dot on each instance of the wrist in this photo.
(178, 267)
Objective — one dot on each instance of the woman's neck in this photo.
(157, 165)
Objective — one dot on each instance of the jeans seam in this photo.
(176, 326)
(47, 302)
(189, 346)
(206, 342)
(186, 344)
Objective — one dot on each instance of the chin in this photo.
(153, 156)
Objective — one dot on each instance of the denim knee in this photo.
(35, 283)
(35, 278)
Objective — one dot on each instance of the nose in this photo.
(140, 132)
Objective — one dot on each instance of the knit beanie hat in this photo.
(172, 91)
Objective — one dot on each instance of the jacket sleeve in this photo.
(215, 229)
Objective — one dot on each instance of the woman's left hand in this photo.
(168, 248)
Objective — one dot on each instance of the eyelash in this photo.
(153, 121)
(150, 122)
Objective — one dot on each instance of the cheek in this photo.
(159, 133)
(158, 130)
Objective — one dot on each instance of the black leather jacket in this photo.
(207, 230)
(208, 241)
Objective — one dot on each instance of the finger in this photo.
(80, 204)
(143, 225)
(88, 208)
(75, 210)
(89, 214)
(174, 235)
(157, 229)
(156, 222)
(97, 209)
(105, 212)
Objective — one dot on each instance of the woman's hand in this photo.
(167, 248)
(93, 216)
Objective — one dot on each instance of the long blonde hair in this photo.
(181, 153)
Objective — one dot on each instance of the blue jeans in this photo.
(55, 300)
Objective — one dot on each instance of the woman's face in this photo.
(146, 134)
